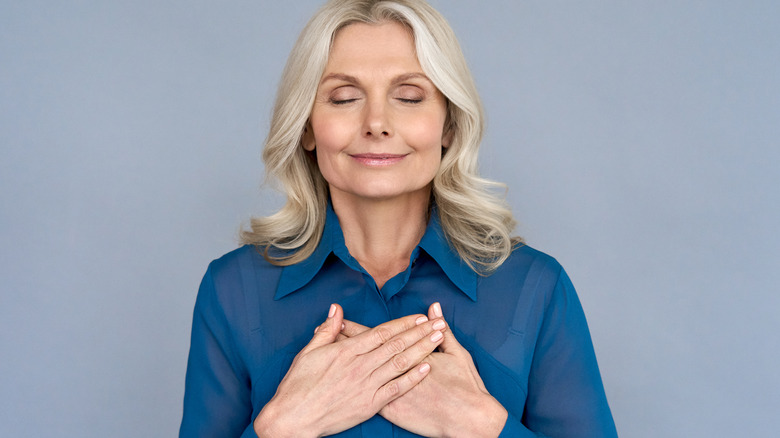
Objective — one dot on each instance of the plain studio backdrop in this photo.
(639, 141)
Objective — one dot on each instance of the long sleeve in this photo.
(565, 393)
(523, 326)
(217, 391)
(514, 428)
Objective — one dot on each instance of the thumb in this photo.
(327, 332)
(449, 344)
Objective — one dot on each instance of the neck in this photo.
(381, 234)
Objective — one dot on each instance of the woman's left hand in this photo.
(451, 401)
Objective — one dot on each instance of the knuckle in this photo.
(382, 335)
(395, 346)
(392, 389)
(424, 348)
(414, 377)
(399, 362)
(344, 350)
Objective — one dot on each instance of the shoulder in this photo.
(239, 276)
(526, 260)
(524, 253)
(238, 262)
(528, 277)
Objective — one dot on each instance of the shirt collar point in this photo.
(435, 244)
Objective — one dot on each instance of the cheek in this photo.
(330, 138)
(331, 133)
(426, 131)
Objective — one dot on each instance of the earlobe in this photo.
(446, 139)
(448, 133)
(307, 139)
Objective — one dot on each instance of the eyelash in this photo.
(346, 101)
(341, 102)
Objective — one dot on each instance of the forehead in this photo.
(362, 45)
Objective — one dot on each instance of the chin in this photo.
(385, 193)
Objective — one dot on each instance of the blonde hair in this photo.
(476, 222)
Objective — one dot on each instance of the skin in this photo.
(377, 126)
(452, 401)
(332, 386)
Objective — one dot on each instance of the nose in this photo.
(377, 120)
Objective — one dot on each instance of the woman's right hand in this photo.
(332, 386)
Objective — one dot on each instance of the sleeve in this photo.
(514, 428)
(217, 399)
(565, 393)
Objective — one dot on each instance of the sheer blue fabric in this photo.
(523, 325)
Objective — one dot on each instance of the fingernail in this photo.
(437, 310)
(439, 325)
(332, 311)
(342, 326)
(316, 329)
(421, 320)
(424, 368)
(436, 336)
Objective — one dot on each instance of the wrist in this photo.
(486, 419)
(263, 424)
(270, 423)
(494, 417)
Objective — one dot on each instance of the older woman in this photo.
(437, 322)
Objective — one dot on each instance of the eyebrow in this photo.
(353, 80)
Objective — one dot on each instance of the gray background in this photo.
(639, 141)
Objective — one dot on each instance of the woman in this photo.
(387, 232)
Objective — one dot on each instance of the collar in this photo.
(433, 242)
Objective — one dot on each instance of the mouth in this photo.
(378, 159)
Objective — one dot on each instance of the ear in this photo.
(448, 133)
(307, 140)
(446, 139)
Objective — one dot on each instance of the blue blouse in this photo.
(523, 326)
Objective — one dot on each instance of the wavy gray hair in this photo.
(477, 223)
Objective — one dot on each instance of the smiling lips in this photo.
(378, 159)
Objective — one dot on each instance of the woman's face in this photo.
(377, 122)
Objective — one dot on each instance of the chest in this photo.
(492, 330)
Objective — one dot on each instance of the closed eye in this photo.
(342, 101)
(409, 93)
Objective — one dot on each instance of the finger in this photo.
(450, 344)
(352, 329)
(325, 323)
(407, 350)
(403, 384)
(374, 338)
(327, 332)
(434, 311)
